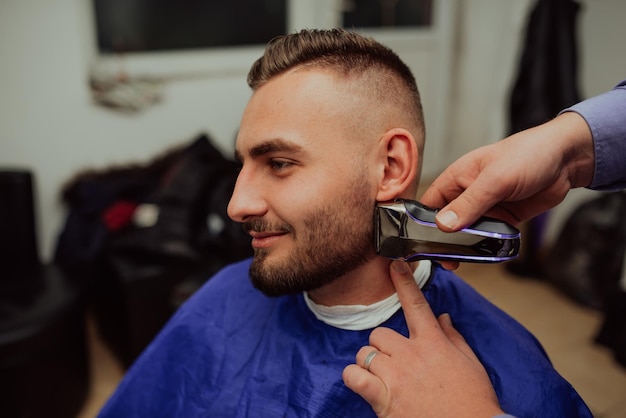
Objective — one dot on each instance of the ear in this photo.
(398, 152)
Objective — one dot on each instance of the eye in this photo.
(279, 164)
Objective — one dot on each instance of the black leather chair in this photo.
(43, 349)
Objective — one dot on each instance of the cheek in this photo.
(321, 185)
(294, 204)
(325, 188)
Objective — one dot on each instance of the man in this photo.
(334, 125)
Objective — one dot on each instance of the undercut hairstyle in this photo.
(346, 53)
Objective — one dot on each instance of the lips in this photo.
(265, 239)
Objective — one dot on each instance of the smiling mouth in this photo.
(265, 239)
(265, 234)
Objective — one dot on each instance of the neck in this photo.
(365, 285)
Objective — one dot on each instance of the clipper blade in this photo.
(406, 230)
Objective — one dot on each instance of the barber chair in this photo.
(43, 350)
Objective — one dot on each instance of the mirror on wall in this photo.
(386, 13)
(124, 26)
(129, 26)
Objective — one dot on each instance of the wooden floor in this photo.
(565, 329)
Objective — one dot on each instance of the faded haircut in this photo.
(344, 52)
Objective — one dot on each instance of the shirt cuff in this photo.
(605, 116)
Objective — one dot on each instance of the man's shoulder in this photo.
(449, 293)
(222, 303)
(442, 280)
(231, 277)
(232, 280)
(239, 268)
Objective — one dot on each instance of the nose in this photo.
(247, 200)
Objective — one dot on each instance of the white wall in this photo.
(602, 30)
(47, 119)
(48, 122)
(488, 40)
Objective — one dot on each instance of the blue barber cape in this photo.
(230, 351)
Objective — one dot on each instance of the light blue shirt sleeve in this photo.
(606, 116)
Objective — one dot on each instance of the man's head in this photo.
(334, 125)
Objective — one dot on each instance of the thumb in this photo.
(470, 205)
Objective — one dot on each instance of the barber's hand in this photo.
(517, 178)
(433, 373)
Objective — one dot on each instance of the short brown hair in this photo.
(337, 49)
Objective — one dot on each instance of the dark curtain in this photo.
(547, 78)
(546, 83)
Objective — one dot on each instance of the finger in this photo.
(383, 337)
(527, 208)
(474, 202)
(449, 265)
(367, 385)
(433, 196)
(364, 356)
(455, 336)
(419, 317)
(452, 182)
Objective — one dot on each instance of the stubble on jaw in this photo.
(335, 239)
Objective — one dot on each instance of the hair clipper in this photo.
(406, 230)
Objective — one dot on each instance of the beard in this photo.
(335, 240)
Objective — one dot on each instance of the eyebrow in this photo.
(269, 146)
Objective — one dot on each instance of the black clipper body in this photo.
(406, 230)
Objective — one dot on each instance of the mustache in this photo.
(261, 225)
